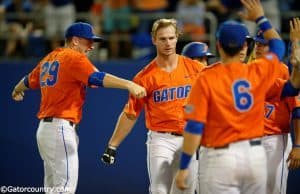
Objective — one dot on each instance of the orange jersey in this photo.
(278, 112)
(166, 94)
(230, 98)
(62, 77)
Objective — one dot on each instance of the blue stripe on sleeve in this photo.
(277, 47)
(26, 81)
(194, 127)
(296, 113)
(96, 79)
(289, 90)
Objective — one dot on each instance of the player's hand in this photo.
(17, 95)
(253, 10)
(294, 159)
(294, 29)
(180, 179)
(108, 157)
(137, 90)
(295, 38)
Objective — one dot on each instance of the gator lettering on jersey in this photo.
(169, 94)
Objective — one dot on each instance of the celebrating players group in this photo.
(212, 128)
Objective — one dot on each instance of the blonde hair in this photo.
(161, 23)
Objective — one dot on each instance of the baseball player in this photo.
(62, 77)
(225, 111)
(278, 116)
(168, 80)
(197, 51)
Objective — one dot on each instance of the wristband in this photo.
(185, 160)
(296, 146)
(263, 23)
(112, 147)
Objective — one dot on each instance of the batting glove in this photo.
(109, 155)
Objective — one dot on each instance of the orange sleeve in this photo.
(274, 93)
(197, 105)
(34, 78)
(81, 68)
(293, 102)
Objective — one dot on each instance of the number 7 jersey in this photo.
(62, 77)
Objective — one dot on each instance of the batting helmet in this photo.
(196, 49)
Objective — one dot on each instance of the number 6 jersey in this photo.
(230, 98)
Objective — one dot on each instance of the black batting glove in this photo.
(109, 155)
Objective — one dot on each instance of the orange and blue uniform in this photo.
(167, 92)
(62, 92)
(277, 140)
(166, 95)
(234, 112)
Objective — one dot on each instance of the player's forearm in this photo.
(296, 123)
(20, 87)
(122, 129)
(191, 142)
(111, 81)
(295, 77)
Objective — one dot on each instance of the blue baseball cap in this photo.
(260, 37)
(82, 30)
(232, 34)
(196, 49)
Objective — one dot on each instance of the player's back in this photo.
(62, 77)
(236, 99)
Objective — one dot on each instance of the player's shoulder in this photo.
(212, 67)
(190, 64)
(149, 70)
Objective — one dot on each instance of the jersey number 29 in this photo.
(243, 99)
(49, 72)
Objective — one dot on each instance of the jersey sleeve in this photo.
(197, 105)
(270, 68)
(134, 106)
(81, 68)
(34, 78)
(274, 93)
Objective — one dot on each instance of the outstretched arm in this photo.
(110, 81)
(123, 127)
(254, 12)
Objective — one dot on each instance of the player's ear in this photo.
(153, 40)
(75, 40)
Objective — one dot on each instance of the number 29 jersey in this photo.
(62, 77)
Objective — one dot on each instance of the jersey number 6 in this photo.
(48, 75)
(243, 99)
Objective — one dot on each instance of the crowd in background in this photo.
(31, 28)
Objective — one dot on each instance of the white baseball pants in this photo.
(163, 156)
(58, 147)
(239, 168)
(277, 149)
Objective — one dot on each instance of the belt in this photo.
(171, 133)
(50, 119)
(251, 142)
